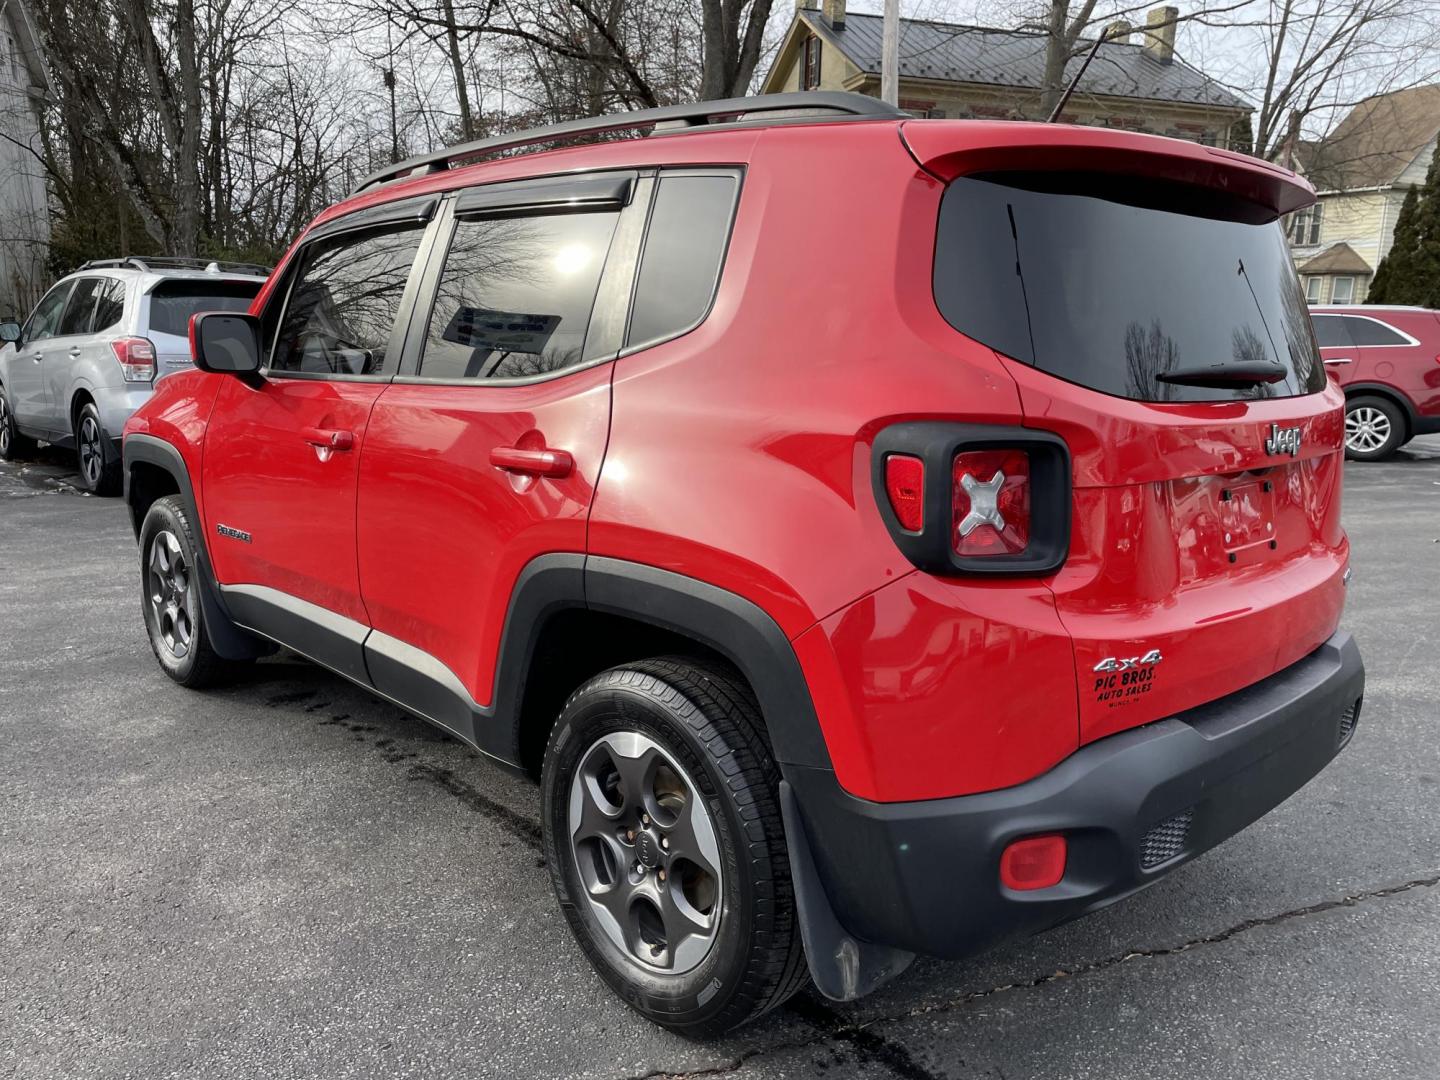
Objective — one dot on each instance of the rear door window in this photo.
(81, 308)
(340, 316)
(173, 302)
(1332, 332)
(109, 306)
(1370, 332)
(516, 295)
(1110, 285)
(684, 249)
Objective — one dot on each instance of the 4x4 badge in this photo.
(1116, 663)
(1283, 440)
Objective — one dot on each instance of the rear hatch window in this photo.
(173, 302)
(1112, 284)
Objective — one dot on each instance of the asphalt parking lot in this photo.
(289, 878)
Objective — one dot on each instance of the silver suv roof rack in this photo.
(150, 263)
(769, 108)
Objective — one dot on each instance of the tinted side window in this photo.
(1331, 332)
(81, 307)
(109, 305)
(173, 302)
(516, 295)
(1367, 332)
(342, 307)
(46, 317)
(684, 248)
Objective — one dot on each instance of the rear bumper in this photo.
(923, 877)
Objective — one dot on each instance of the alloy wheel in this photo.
(647, 852)
(4, 425)
(1367, 429)
(92, 454)
(168, 587)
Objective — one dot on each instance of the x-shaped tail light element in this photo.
(984, 503)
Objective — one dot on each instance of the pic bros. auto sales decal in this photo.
(1120, 680)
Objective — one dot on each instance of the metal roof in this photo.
(950, 52)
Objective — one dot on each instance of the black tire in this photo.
(13, 445)
(95, 453)
(174, 617)
(705, 719)
(1375, 427)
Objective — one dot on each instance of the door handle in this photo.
(37, 357)
(327, 441)
(1340, 360)
(551, 463)
(75, 350)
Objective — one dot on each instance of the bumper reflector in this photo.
(1036, 862)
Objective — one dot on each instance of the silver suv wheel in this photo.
(1367, 429)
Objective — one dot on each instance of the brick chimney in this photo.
(835, 13)
(807, 5)
(1119, 32)
(1160, 33)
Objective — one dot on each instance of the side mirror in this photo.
(225, 342)
(9, 331)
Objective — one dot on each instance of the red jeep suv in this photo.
(1387, 360)
(878, 536)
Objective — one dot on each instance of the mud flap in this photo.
(842, 967)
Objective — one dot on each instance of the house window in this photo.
(810, 74)
(1344, 291)
(1312, 289)
(1305, 225)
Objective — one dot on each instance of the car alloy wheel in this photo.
(647, 853)
(167, 578)
(1367, 429)
(4, 425)
(92, 452)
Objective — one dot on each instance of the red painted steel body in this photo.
(1410, 372)
(739, 454)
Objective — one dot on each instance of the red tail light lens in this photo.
(905, 485)
(137, 358)
(1036, 862)
(990, 502)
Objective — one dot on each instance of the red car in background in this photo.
(1387, 359)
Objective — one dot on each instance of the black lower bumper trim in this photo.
(924, 876)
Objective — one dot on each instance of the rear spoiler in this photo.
(947, 149)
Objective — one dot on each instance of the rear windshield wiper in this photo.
(1221, 376)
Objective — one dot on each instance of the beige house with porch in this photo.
(1361, 174)
(950, 70)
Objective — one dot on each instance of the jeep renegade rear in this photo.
(893, 536)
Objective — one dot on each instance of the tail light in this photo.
(990, 502)
(973, 499)
(137, 358)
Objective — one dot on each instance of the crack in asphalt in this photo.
(871, 1047)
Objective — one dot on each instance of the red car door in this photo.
(281, 454)
(483, 453)
(1332, 334)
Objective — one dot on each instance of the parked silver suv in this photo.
(92, 349)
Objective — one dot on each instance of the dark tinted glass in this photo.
(109, 305)
(81, 307)
(45, 319)
(343, 305)
(1369, 332)
(173, 302)
(684, 247)
(1331, 332)
(1111, 288)
(516, 296)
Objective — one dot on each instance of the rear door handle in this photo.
(1340, 360)
(551, 463)
(74, 350)
(327, 441)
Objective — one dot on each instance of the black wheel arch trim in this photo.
(227, 639)
(1415, 423)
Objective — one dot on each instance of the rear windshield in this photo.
(1111, 288)
(173, 302)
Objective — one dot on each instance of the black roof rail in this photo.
(148, 263)
(766, 107)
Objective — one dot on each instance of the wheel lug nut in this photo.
(630, 835)
(665, 842)
(660, 874)
(644, 819)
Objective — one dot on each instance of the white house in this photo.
(24, 217)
